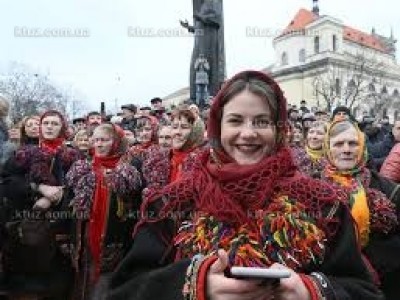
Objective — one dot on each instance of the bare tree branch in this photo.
(31, 93)
(349, 81)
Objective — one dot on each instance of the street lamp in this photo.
(118, 81)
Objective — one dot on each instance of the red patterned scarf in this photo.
(237, 206)
(231, 193)
(52, 146)
(222, 190)
(177, 159)
(138, 150)
(99, 211)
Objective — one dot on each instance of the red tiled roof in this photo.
(300, 21)
(305, 17)
(365, 39)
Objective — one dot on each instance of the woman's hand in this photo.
(53, 193)
(221, 287)
(291, 288)
(42, 204)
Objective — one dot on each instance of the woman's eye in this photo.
(338, 144)
(234, 121)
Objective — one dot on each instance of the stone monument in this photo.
(208, 30)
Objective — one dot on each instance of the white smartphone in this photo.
(258, 273)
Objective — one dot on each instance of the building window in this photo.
(302, 55)
(355, 111)
(337, 86)
(396, 92)
(351, 84)
(334, 43)
(316, 44)
(285, 59)
(371, 87)
(384, 90)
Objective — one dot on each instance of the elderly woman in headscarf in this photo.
(105, 190)
(374, 201)
(245, 204)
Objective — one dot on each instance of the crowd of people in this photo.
(150, 204)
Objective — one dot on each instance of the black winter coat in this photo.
(383, 250)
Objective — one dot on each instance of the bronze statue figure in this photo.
(208, 41)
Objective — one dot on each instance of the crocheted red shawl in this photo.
(274, 214)
(221, 188)
(231, 194)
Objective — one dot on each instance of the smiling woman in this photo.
(244, 204)
(247, 129)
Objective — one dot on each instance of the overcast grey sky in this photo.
(110, 63)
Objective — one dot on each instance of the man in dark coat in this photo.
(380, 150)
(129, 121)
